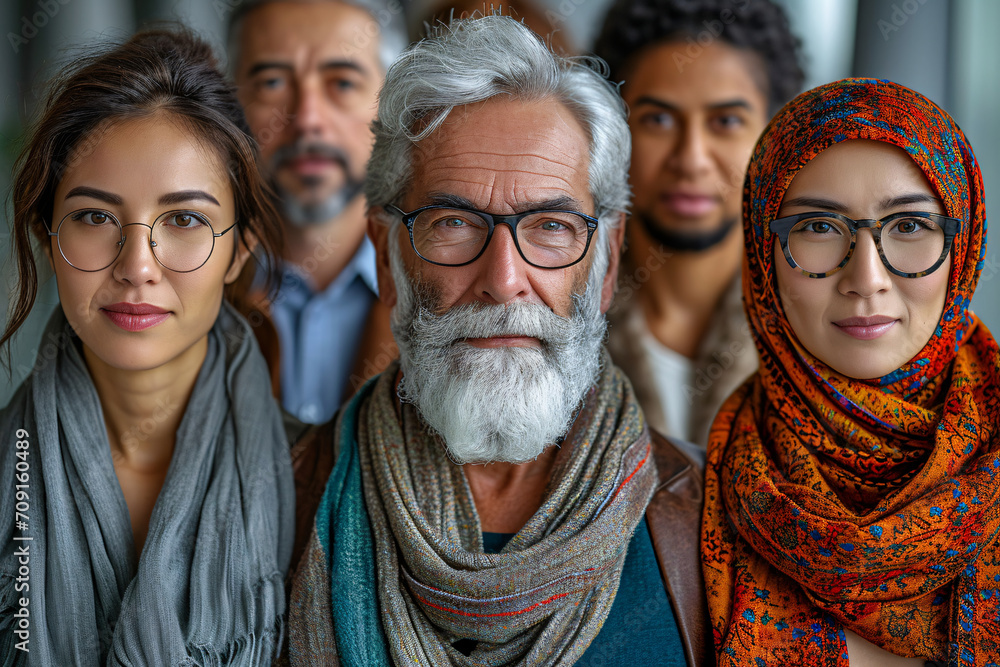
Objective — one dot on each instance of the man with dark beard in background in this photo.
(308, 72)
(497, 498)
(701, 79)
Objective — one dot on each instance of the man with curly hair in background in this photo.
(701, 80)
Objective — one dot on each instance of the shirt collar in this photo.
(361, 265)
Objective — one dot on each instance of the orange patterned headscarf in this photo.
(872, 505)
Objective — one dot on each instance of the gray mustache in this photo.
(485, 321)
(285, 154)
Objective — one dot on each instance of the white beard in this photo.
(496, 404)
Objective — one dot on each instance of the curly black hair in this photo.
(759, 26)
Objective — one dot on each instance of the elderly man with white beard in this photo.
(495, 496)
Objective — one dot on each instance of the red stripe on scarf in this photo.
(505, 613)
(632, 474)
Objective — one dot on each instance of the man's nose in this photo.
(136, 263)
(311, 115)
(690, 155)
(865, 275)
(502, 273)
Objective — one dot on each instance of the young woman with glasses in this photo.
(853, 484)
(146, 494)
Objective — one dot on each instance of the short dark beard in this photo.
(686, 241)
(317, 213)
(303, 214)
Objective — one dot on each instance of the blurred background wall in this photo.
(946, 49)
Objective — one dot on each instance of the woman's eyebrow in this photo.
(168, 199)
(907, 199)
(838, 207)
(94, 193)
(816, 202)
(187, 195)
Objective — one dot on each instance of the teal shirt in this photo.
(640, 629)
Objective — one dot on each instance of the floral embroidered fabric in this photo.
(837, 503)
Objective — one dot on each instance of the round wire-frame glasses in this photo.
(492, 221)
(119, 239)
(782, 227)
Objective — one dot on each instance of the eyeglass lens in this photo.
(91, 239)
(454, 236)
(910, 245)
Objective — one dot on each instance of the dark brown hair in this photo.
(168, 71)
(760, 27)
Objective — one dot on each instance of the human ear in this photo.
(615, 240)
(245, 245)
(47, 249)
(378, 232)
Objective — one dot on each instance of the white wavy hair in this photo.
(473, 60)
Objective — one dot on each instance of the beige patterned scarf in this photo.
(544, 598)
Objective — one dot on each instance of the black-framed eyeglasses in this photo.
(911, 244)
(91, 239)
(449, 236)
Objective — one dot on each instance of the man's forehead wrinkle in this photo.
(546, 146)
(552, 130)
(475, 156)
(486, 194)
(543, 132)
(527, 163)
(486, 177)
(503, 157)
(565, 177)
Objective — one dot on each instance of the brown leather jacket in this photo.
(673, 515)
(674, 518)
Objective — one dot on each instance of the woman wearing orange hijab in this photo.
(853, 483)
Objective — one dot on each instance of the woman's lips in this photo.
(689, 205)
(135, 316)
(866, 328)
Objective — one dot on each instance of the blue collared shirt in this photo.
(320, 333)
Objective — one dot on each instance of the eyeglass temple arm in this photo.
(224, 230)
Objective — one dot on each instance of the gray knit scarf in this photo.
(543, 599)
(208, 587)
